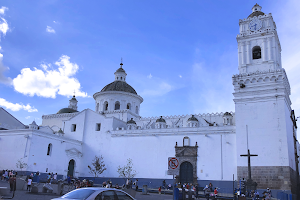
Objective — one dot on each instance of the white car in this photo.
(96, 193)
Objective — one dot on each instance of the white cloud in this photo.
(16, 106)
(49, 29)
(27, 117)
(3, 26)
(149, 76)
(180, 76)
(2, 10)
(47, 82)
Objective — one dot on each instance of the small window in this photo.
(256, 52)
(117, 78)
(129, 106)
(186, 141)
(121, 77)
(97, 107)
(73, 128)
(137, 110)
(105, 107)
(49, 149)
(117, 105)
(98, 126)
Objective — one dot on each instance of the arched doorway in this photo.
(186, 172)
(71, 168)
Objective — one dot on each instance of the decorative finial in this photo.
(121, 64)
(74, 94)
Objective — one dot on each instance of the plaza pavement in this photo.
(25, 195)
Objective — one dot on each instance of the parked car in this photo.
(96, 193)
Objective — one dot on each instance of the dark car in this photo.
(96, 193)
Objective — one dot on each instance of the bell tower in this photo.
(258, 44)
(263, 105)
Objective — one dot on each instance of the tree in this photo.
(21, 164)
(98, 166)
(127, 171)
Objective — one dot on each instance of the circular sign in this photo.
(173, 163)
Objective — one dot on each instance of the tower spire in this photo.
(121, 64)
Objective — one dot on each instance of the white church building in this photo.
(208, 146)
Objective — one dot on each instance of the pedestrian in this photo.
(136, 184)
(196, 190)
(37, 176)
(215, 193)
(127, 183)
(256, 195)
(29, 181)
(69, 179)
(207, 192)
(55, 176)
(159, 190)
(48, 178)
(210, 187)
(12, 183)
(164, 184)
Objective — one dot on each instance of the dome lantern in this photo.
(120, 74)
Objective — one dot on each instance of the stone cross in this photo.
(249, 166)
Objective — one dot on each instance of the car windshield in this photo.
(78, 194)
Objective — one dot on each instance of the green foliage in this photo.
(98, 166)
(127, 171)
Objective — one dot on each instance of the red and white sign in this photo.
(173, 163)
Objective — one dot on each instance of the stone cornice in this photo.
(261, 86)
(63, 115)
(207, 130)
(121, 111)
(263, 78)
(247, 20)
(118, 92)
(187, 115)
(38, 133)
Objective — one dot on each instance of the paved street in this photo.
(24, 195)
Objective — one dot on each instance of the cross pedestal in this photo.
(250, 184)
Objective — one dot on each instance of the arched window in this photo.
(97, 107)
(117, 105)
(49, 149)
(129, 106)
(256, 52)
(105, 106)
(137, 110)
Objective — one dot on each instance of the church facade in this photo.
(208, 146)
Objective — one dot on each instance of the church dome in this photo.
(66, 110)
(161, 119)
(131, 121)
(120, 70)
(119, 86)
(256, 11)
(227, 114)
(193, 118)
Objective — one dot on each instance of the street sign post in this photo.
(173, 166)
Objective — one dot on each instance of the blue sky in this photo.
(179, 55)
